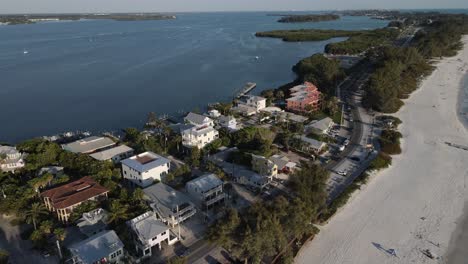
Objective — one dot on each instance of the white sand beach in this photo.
(415, 204)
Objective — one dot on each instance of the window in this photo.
(119, 252)
(163, 233)
(112, 255)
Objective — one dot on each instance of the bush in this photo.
(389, 142)
(382, 161)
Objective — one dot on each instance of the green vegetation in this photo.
(382, 161)
(296, 35)
(362, 42)
(308, 18)
(389, 141)
(4, 256)
(256, 140)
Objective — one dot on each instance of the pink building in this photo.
(304, 98)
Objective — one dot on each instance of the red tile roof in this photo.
(74, 192)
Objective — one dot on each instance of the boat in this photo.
(25, 52)
(257, 57)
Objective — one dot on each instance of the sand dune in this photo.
(415, 204)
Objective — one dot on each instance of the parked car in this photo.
(342, 173)
(355, 158)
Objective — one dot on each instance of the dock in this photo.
(248, 87)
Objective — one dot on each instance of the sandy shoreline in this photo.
(418, 202)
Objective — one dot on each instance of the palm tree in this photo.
(34, 213)
(117, 212)
(60, 235)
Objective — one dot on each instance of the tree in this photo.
(46, 227)
(118, 212)
(195, 156)
(60, 234)
(177, 260)
(34, 213)
(4, 256)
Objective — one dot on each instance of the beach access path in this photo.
(414, 205)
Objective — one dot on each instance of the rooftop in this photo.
(146, 226)
(197, 119)
(206, 182)
(312, 142)
(110, 153)
(282, 161)
(88, 145)
(164, 195)
(7, 150)
(97, 247)
(255, 98)
(74, 192)
(145, 161)
(321, 124)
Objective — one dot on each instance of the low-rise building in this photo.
(214, 113)
(89, 145)
(10, 159)
(145, 168)
(198, 120)
(171, 206)
(310, 144)
(199, 137)
(228, 122)
(254, 101)
(148, 232)
(64, 199)
(283, 163)
(93, 222)
(244, 110)
(104, 247)
(251, 179)
(264, 166)
(207, 190)
(115, 154)
(304, 98)
(321, 126)
(54, 170)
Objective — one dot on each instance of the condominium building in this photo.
(304, 98)
(145, 168)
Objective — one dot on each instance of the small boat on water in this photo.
(25, 52)
(257, 57)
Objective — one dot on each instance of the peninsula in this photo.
(308, 18)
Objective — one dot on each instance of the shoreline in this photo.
(418, 202)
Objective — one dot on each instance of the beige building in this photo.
(264, 166)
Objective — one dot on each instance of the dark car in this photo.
(355, 158)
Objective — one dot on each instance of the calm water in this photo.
(106, 75)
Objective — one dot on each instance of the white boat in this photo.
(25, 52)
(257, 57)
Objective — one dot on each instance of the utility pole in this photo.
(178, 220)
(59, 250)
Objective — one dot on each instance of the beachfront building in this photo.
(249, 105)
(321, 126)
(104, 247)
(309, 144)
(89, 145)
(228, 122)
(64, 199)
(206, 190)
(10, 159)
(145, 168)
(115, 154)
(148, 232)
(283, 164)
(195, 136)
(198, 120)
(304, 98)
(244, 110)
(170, 206)
(93, 222)
(264, 166)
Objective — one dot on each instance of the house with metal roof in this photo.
(93, 222)
(198, 136)
(310, 144)
(321, 126)
(171, 206)
(207, 190)
(148, 232)
(115, 154)
(104, 247)
(145, 168)
(228, 122)
(198, 120)
(10, 159)
(89, 145)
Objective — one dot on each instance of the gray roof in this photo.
(89, 144)
(196, 119)
(8, 150)
(142, 167)
(146, 226)
(110, 153)
(226, 118)
(97, 247)
(206, 182)
(164, 195)
(312, 142)
(322, 124)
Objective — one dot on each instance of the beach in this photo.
(417, 205)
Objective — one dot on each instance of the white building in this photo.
(207, 190)
(149, 232)
(310, 144)
(89, 145)
(194, 136)
(145, 168)
(321, 126)
(104, 247)
(115, 154)
(229, 122)
(198, 120)
(10, 159)
(214, 113)
(256, 102)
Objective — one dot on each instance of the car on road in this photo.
(342, 173)
(346, 142)
(341, 147)
(355, 158)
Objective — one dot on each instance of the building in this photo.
(65, 198)
(321, 126)
(207, 190)
(89, 145)
(214, 113)
(283, 164)
(193, 136)
(264, 166)
(304, 98)
(148, 232)
(93, 222)
(198, 120)
(115, 154)
(310, 144)
(254, 101)
(54, 170)
(10, 159)
(228, 122)
(244, 110)
(104, 247)
(251, 179)
(145, 168)
(171, 206)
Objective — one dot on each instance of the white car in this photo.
(341, 147)
(342, 173)
(346, 142)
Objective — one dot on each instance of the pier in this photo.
(248, 87)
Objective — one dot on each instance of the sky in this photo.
(77, 6)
